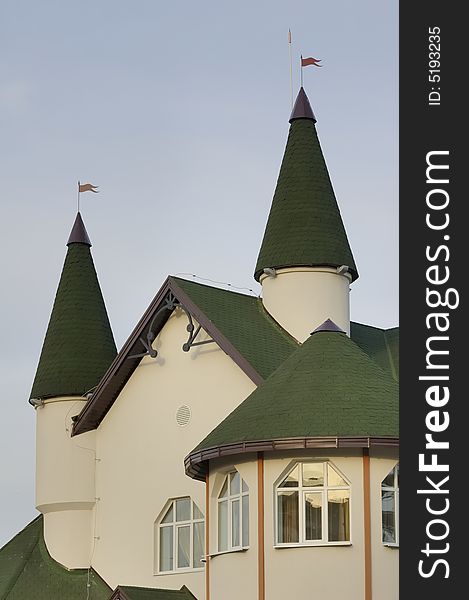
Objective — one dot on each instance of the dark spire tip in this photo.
(302, 108)
(328, 325)
(79, 235)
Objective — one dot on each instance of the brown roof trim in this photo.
(122, 367)
(217, 336)
(196, 463)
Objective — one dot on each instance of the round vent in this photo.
(183, 415)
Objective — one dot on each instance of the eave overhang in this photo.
(196, 463)
(125, 364)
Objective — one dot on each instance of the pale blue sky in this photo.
(179, 112)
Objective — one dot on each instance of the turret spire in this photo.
(304, 228)
(79, 345)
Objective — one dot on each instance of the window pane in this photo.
(313, 474)
(245, 520)
(245, 487)
(199, 544)
(291, 480)
(288, 522)
(388, 481)
(313, 516)
(169, 516)
(224, 489)
(184, 546)
(197, 512)
(333, 478)
(183, 509)
(222, 526)
(235, 522)
(338, 503)
(234, 483)
(166, 548)
(388, 518)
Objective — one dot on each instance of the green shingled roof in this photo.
(381, 344)
(305, 227)
(79, 345)
(327, 387)
(245, 323)
(27, 572)
(140, 593)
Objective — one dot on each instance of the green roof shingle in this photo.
(304, 227)
(328, 387)
(140, 593)
(27, 572)
(245, 323)
(382, 345)
(79, 345)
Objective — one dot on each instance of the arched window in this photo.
(180, 537)
(233, 514)
(390, 507)
(313, 505)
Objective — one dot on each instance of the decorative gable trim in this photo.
(137, 346)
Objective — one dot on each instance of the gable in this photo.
(236, 322)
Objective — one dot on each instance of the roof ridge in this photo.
(390, 357)
(214, 286)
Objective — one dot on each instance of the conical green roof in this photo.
(328, 387)
(305, 227)
(79, 345)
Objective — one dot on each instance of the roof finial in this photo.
(328, 325)
(302, 108)
(79, 235)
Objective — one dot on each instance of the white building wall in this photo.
(233, 575)
(332, 572)
(385, 559)
(302, 298)
(65, 482)
(140, 452)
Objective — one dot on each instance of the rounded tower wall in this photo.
(65, 481)
(302, 298)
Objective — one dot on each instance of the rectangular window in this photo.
(222, 526)
(287, 505)
(199, 545)
(388, 517)
(166, 548)
(235, 523)
(338, 515)
(184, 546)
(313, 516)
(245, 521)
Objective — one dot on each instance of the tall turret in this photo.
(78, 348)
(305, 263)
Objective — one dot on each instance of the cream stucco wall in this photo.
(234, 574)
(140, 451)
(300, 299)
(332, 572)
(385, 559)
(65, 482)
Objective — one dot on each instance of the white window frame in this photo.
(302, 490)
(230, 498)
(176, 526)
(395, 491)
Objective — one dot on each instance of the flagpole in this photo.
(78, 198)
(301, 69)
(291, 67)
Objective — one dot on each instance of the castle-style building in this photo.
(235, 447)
